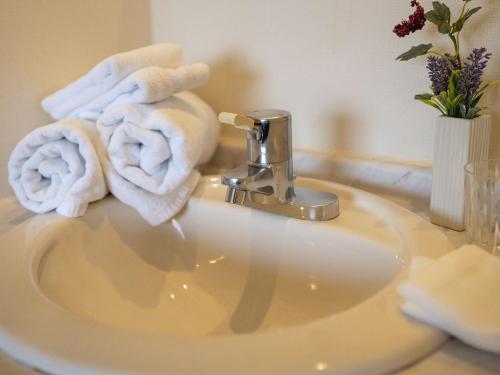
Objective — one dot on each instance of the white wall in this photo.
(47, 44)
(330, 62)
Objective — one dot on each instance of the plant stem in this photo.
(457, 45)
(436, 53)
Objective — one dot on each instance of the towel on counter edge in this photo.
(458, 293)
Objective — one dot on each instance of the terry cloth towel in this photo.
(147, 85)
(459, 293)
(152, 150)
(57, 167)
(105, 75)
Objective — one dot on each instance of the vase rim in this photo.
(466, 119)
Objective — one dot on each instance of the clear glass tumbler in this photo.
(482, 204)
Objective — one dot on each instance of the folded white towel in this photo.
(105, 75)
(460, 294)
(146, 85)
(57, 167)
(152, 150)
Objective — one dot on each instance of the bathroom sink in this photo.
(221, 289)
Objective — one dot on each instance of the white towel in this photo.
(152, 150)
(105, 75)
(460, 294)
(146, 85)
(57, 167)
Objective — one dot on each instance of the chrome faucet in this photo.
(265, 182)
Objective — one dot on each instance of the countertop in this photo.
(406, 185)
(453, 357)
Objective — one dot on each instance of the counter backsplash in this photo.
(386, 178)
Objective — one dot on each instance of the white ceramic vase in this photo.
(457, 142)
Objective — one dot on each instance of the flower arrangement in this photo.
(456, 87)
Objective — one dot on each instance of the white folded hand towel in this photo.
(146, 85)
(105, 75)
(152, 150)
(460, 294)
(57, 167)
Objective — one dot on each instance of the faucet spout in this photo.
(274, 179)
(265, 182)
(246, 177)
(241, 180)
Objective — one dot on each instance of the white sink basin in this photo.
(221, 289)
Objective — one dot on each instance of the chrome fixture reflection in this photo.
(265, 182)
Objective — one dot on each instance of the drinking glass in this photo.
(482, 204)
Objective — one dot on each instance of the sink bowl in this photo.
(220, 289)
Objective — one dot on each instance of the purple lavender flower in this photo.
(472, 71)
(440, 70)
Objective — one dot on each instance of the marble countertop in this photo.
(406, 185)
(453, 357)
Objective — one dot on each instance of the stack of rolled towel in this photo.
(129, 126)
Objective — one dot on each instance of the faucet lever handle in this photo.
(238, 121)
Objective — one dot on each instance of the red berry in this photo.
(416, 21)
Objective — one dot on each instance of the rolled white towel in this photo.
(146, 85)
(57, 167)
(105, 75)
(152, 150)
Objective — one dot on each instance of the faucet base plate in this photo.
(306, 204)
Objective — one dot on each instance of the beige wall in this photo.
(48, 43)
(330, 62)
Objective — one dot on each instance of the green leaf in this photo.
(442, 97)
(463, 110)
(472, 112)
(451, 88)
(415, 51)
(444, 28)
(440, 16)
(470, 12)
(448, 104)
(440, 102)
(423, 96)
(454, 104)
(476, 99)
(486, 85)
(493, 82)
(432, 104)
(458, 25)
(452, 84)
(433, 17)
(442, 11)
